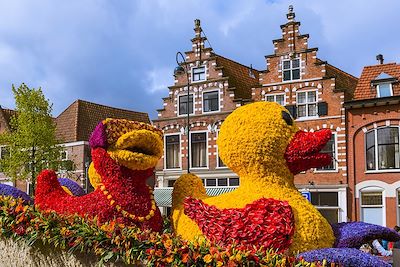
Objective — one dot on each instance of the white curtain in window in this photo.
(372, 215)
(199, 157)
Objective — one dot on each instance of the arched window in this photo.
(382, 149)
(372, 205)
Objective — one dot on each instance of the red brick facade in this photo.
(328, 85)
(376, 175)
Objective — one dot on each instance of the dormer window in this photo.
(291, 69)
(199, 74)
(384, 90)
(383, 84)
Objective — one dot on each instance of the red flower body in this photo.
(127, 187)
(265, 222)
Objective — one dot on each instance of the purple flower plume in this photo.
(354, 234)
(7, 190)
(75, 189)
(347, 257)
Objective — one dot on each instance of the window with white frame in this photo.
(172, 151)
(210, 101)
(220, 163)
(199, 74)
(198, 149)
(212, 182)
(384, 90)
(291, 69)
(330, 148)
(278, 98)
(382, 148)
(327, 203)
(64, 155)
(372, 206)
(306, 104)
(183, 99)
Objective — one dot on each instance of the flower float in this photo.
(124, 154)
(262, 144)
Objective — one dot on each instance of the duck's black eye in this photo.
(286, 116)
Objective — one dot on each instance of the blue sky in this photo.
(122, 53)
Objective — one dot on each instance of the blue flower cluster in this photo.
(7, 190)
(355, 234)
(348, 257)
(73, 186)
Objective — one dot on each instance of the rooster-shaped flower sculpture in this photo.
(124, 154)
(263, 145)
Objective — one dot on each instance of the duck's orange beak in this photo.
(302, 153)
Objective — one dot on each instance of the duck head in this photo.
(134, 145)
(262, 138)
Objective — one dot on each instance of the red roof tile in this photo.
(364, 90)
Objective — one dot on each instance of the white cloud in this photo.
(159, 79)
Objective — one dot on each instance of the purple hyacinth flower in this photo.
(7, 190)
(354, 234)
(74, 187)
(346, 257)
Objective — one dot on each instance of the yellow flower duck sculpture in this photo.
(261, 143)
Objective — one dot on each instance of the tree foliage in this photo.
(32, 142)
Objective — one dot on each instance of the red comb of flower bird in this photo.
(302, 153)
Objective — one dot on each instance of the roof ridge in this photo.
(372, 66)
(97, 104)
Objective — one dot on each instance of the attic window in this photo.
(199, 74)
(383, 83)
(384, 89)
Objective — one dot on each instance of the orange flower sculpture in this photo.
(124, 154)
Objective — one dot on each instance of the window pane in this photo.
(223, 182)
(198, 74)
(296, 74)
(331, 215)
(211, 182)
(171, 183)
(210, 101)
(198, 150)
(280, 99)
(371, 198)
(388, 135)
(372, 215)
(286, 64)
(384, 89)
(220, 162)
(301, 98)
(233, 181)
(311, 97)
(371, 158)
(270, 98)
(329, 149)
(295, 63)
(172, 152)
(312, 110)
(370, 139)
(286, 75)
(183, 104)
(388, 148)
(301, 111)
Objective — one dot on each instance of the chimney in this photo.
(379, 58)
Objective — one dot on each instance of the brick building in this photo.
(217, 86)
(311, 89)
(74, 126)
(373, 119)
(314, 92)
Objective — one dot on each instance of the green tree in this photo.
(32, 142)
